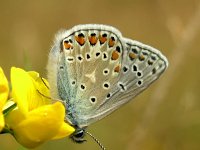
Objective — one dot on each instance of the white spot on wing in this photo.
(91, 76)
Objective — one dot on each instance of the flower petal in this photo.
(4, 88)
(2, 122)
(4, 91)
(42, 96)
(29, 91)
(64, 131)
(14, 118)
(22, 88)
(41, 124)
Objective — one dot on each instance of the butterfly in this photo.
(94, 70)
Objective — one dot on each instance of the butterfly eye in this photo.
(79, 134)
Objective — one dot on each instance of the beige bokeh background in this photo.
(164, 117)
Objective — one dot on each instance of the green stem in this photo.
(9, 109)
(6, 130)
(6, 112)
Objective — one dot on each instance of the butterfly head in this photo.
(79, 134)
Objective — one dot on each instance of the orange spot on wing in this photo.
(102, 39)
(132, 55)
(111, 42)
(67, 45)
(93, 40)
(80, 40)
(115, 55)
(141, 57)
(117, 69)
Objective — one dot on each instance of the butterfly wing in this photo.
(141, 66)
(94, 70)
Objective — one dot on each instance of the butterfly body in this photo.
(94, 71)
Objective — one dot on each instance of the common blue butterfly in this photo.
(94, 70)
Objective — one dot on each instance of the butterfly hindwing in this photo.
(141, 66)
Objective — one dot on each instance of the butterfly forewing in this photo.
(88, 61)
(97, 71)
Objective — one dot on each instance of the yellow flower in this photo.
(4, 91)
(35, 120)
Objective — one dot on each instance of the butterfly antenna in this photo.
(53, 100)
(44, 82)
(43, 94)
(97, 141)
(46, 87)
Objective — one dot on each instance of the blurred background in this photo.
(164, 117)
